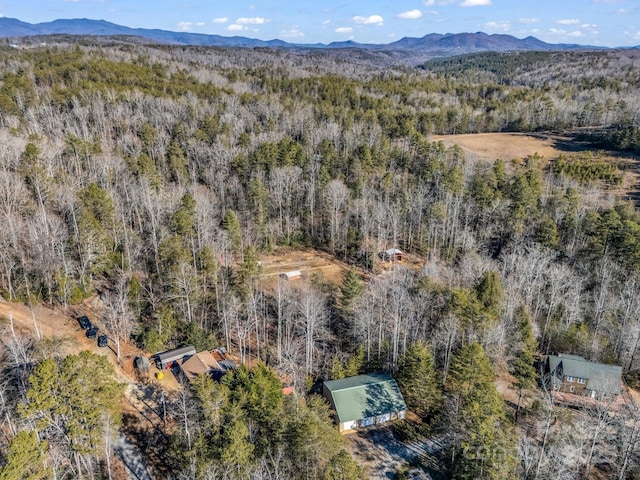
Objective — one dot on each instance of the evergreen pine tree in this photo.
(78, 397)
(487, 442)
(526, 347)
(337, 370)
(249, 269)
(489, 292)
(355, 363)
(26, 458)
(417, 380)
(342, 467)
(351, 286)
(231, 224)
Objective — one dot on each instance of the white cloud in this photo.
(220, 20)
(184, 26)
(568, 21)
(557, 31)
(234, 27)
(623, 11)
(343, 30)
(588, 25)
(410, 15)
(370, 20)
(575, 34)
(252, 21)
(291, 33)
(475, 3)
(637, 35)
(528, 21)
(465, 3)
(499, 25)
(200, 24)
(326, 22)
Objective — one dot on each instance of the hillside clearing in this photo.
(508, 146)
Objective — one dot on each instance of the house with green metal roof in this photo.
(365, 400)
(574, 374)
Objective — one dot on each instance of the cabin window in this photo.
(572, 389)
(570, 379)
(582, 380)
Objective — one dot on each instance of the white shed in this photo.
(292, 275)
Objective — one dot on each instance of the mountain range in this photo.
(434, 44)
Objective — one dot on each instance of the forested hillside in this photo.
(158, 177)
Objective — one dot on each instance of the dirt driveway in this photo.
(385, 455)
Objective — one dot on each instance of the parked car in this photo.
(103, 341)
(92, 332)
(84, 322)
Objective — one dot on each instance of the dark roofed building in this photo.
(198, 364)
(365, 400)
(574, 374)
(166, 359)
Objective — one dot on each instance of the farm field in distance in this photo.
(508, 146)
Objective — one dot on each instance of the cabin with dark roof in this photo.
(574, 374)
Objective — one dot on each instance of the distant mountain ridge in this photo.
(450, 43)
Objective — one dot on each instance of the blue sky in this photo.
(588, 22)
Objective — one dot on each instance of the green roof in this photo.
(364, 396)
(600, 377)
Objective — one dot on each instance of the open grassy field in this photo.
(518, 146)
(509, 146)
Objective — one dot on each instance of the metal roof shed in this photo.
(166, 359)
(292, 275)
(393, 254)
(365, 400)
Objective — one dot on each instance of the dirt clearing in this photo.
(63, 333)
(307, 263)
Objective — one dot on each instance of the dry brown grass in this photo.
(509, 146)
(315, 262)
(518, 146)
(308, 262)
